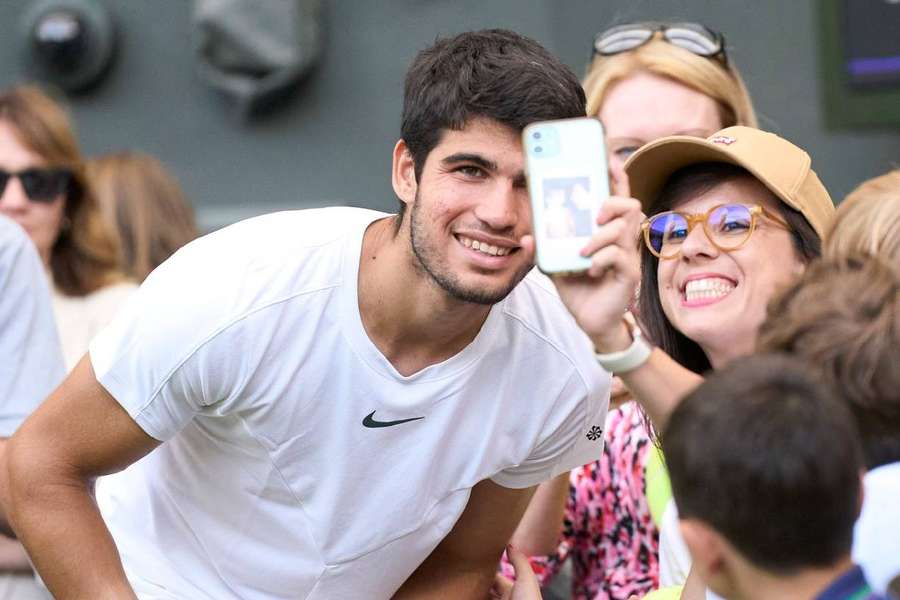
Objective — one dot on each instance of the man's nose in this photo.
(502, 207)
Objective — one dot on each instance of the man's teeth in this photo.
(702, 289)
(483, 247)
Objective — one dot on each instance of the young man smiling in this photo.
(330, 403)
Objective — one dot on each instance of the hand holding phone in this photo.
(567, 183)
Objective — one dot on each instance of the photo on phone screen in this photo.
(567, 183)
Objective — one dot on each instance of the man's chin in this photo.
(486, 291)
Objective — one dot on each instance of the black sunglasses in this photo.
(40, 185)
(693, 37)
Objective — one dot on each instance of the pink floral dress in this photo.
(608, 532)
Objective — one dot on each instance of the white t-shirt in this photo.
(247, 354)
(876, 537)
(32, 363)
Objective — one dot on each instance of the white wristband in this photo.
(626, 360)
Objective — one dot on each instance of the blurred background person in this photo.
(868, 220)
(644, 82)
(46, 192)
(146, 207)
(32, 366)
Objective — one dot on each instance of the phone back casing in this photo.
(568, 181)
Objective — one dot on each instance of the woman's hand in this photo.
(600, 296)
(526, 586)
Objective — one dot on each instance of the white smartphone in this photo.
(565, 163)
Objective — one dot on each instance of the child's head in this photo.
(843, 318)
(765, 466)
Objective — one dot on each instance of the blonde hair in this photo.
(868, 221)
(147, 207)
(705, 75)
(84, 257)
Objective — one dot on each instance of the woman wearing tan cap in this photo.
(644, 81)
(731, 219)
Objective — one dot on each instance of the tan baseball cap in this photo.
(775, 162)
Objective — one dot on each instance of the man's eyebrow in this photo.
(465, 157)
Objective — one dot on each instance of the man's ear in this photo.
(403, 174)
(706, 548)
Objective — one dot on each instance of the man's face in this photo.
(470, 211)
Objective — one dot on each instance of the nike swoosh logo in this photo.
(369, 421)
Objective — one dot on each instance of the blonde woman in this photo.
(45, 191)
(146, 207)
(645, 81)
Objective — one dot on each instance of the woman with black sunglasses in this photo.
(645, 81)
(43, 188)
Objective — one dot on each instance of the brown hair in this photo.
(84, 256)
(868, 220)
(844, 319)
(705, 75)
(147, 207)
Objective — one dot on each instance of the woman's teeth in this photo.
(704, 289)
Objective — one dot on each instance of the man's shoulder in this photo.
(304, 228)
(273, 241)
(220, 279)
(536, 303)
(535, 306)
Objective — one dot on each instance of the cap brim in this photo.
(651, 166)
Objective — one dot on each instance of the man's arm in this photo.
(464, 563)
(80, 432)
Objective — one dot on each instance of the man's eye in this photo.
(470, 171)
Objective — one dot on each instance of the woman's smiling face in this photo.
(716, 298)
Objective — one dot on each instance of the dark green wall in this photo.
(332, 143)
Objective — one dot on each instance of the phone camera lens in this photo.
(538, 149)
(536, 135)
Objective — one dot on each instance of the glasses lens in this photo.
(666, 231)
(729, 225)
(693, 38)
(4, 178)
(44, 185)
(622, 39)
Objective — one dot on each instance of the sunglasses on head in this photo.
(40, 184)
(693, 37)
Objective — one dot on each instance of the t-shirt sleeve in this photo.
(575, 438)
(32, 362)
(164, 357)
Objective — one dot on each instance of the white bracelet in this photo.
(626, 360)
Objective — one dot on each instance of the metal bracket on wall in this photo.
(256, 51)
(67, 43)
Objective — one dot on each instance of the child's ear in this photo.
(705, 546)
